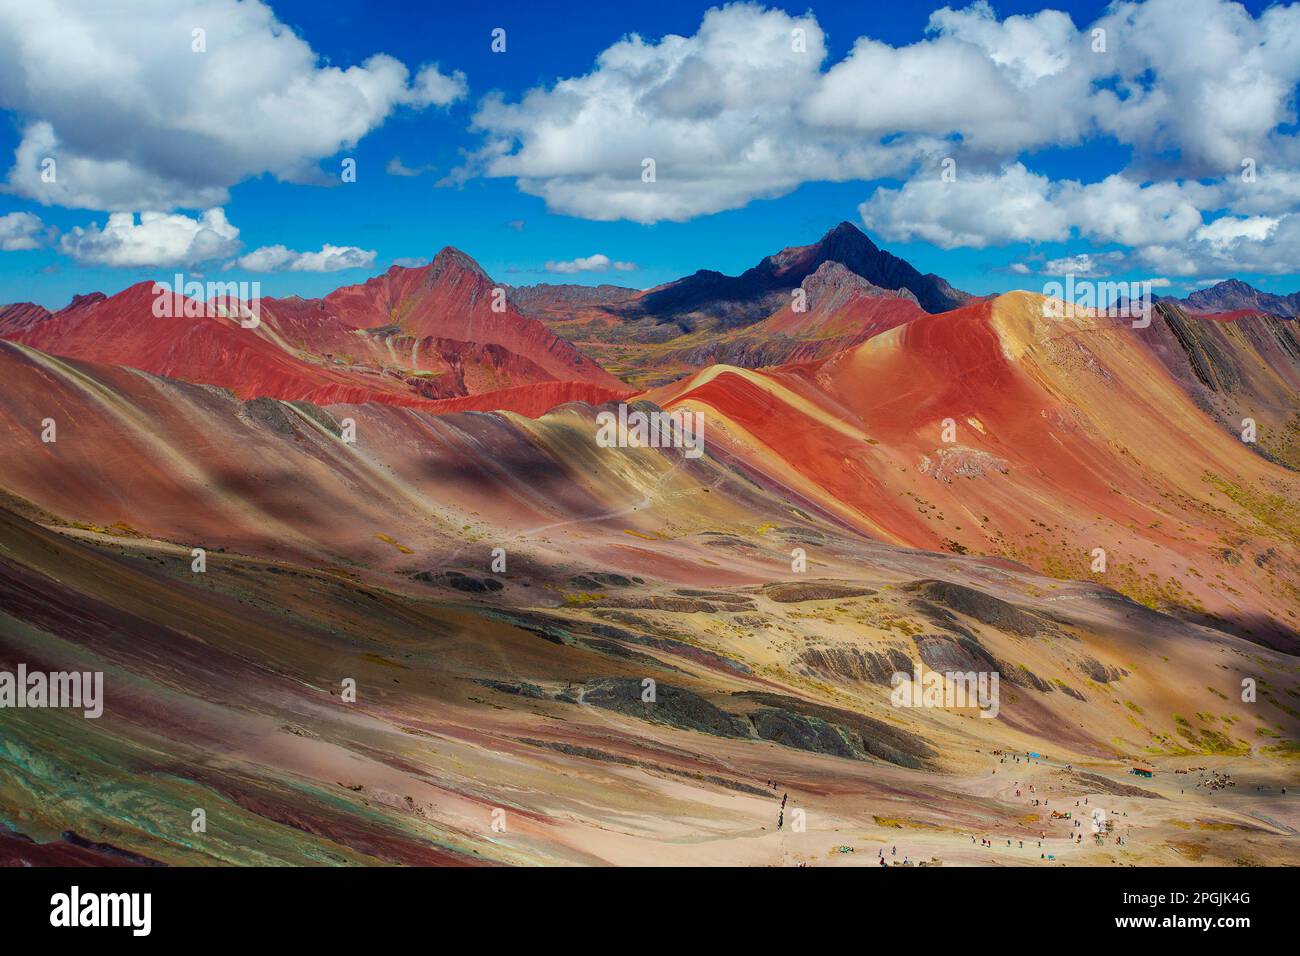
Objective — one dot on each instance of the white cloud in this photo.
(1027, 48)
(597, 263)
(281, 259)
(718, 112)
(157, 239)
(20, 231)
(1187, 88)
(1086, 265)
(1226, 231)
(1160, 226)
(1002, 86)
(396, 167)
(135, 119)
(1015, 205)
(976, 210)
(1120, 210)
(1231, 246)
(410, 262)
(1202, 77)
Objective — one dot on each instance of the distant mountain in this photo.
(406, 337)
(453, 298)
(731, 301)
(840, 309)
(20, 316)
(198, 347)
(829, 293)
(1236, 296)
(545, 299)
(1236, 364)
(750, 320)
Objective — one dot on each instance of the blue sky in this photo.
(514, 232)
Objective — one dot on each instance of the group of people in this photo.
(893, 852)
(1076, 835)
(780, 814)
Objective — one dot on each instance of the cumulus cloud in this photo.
(20, 231)
(1015, 205)
(1226, 230)
(156, 239)
(597, 263)
(1161, 224)
(281, 259)
(719, 113)
(1232, 246)
(1084, 265)
(1202, 77)
(750, 107)
(1001, 86)
(135, 119)
(975, 210)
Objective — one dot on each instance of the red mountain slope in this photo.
(1063, 437)
(406, 337)
(21, 315)
(208, 349)
(452, 299)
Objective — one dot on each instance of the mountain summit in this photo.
(453, 299)
(753, 295)
(1235, 295)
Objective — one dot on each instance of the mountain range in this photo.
(653, 336)
(1233, 295)
(399, 486)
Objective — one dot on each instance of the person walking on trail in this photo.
(894, 852)
(780, 820)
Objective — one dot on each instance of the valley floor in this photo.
(490, 733)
